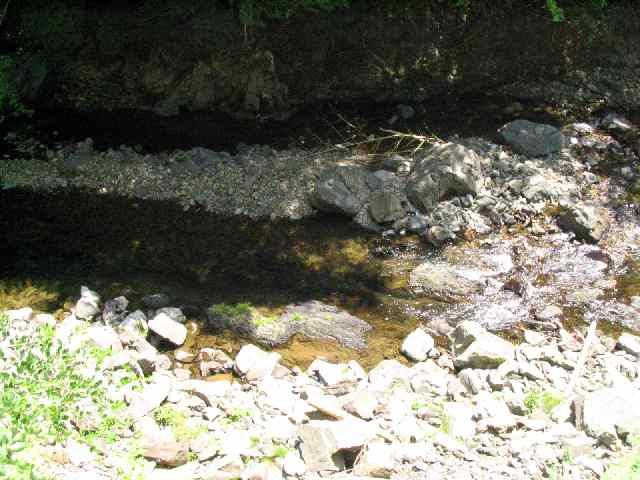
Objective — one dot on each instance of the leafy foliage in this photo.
(43, 387)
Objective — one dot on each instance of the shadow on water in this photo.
(54, 243)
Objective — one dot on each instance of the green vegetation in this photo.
(43, 389)
(627, 467)
(169, 416)
(547, 401)
(238, 414)
(231, 311)
(438, 409)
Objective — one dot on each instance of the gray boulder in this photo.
(386, 207)
(588, 222)
(343, 189)
(475, 347)
(89, 304)
(610, 413)
(445, 170)
(532, 139)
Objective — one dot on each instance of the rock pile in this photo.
(478, 408)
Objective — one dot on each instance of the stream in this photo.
(54, 242)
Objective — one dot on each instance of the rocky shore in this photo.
(557, 405)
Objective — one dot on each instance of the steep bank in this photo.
(132, 58)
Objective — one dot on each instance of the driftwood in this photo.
(591, 334)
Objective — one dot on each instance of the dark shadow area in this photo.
(74, 236)
(313, 126)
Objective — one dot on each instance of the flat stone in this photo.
(167, 328)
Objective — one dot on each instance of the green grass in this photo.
(42, 390)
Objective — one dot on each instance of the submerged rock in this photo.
(445, 281)
(315, 320)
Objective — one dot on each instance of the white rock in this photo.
(254, 363)
(376, 460)
(166, 327)
(417, 345)
(293, 465)
(150, 397)
(21, 314)
(331, 373)
(475, 347)
(458, 417)
(629, 343)
(533, 338)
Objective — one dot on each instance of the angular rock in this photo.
(611, 413)
(133, 326)
(377, 460)
(343, 189)
(445, 170)
(386, 207)
(319, 449)
(319, 321)
(167, 328)
(389, 373)
(89, 304)
(210, 392)
(254, 364)
(629, 343)
(150, 398)
(417, 345)
(173, 313)
(532, 139)
(474, 347)
(115, 310)
(588, 222)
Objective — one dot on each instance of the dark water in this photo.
(312, 126)
(55, 243)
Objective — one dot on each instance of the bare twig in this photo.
(591, 334)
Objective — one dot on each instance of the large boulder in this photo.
(611, 412)
(588, 222)
(532, 139)
(445, 170)
(475, 347)
(343, 189)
